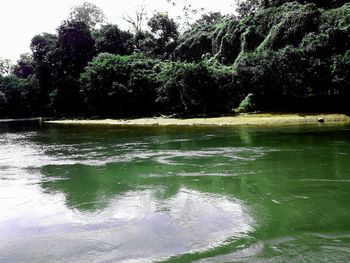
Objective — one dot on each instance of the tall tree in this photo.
(188, 11)
(44, 49)
(75, 48)
(138, 20)
(88, 13)
(165, 31)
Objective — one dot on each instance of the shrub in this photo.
(191, 89)
(114, 85)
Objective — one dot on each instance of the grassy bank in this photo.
(239, 120)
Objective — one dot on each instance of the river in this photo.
(116, 194)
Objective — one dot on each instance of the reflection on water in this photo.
(59, 201)
(135, 225)
(317, 248)
(207, 195)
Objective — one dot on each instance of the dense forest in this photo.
(286, 55)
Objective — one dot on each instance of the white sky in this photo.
(20, 20)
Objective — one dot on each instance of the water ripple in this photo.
(134, 226)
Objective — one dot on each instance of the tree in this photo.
(3, 104)
(75, 48)
(247, 7)
(192, 89)
(5, 66)
(13, 104)
(165, 31)
(24, 67)
(42, 47)
(44, 50)
(145, 43)
(293, 55)
(209, 19)
(114, 85)
(341, 79)
(88, 13)
(112, 40)
(137, 21)
(188, 13)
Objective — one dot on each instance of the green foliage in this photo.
(337, 18)
(292, 55)
(194, 44)
(44, 50)
(112, 40)
(165, 31)
(3, 104)
(269, 28)
(341, 79)
(209, 19)
(319, 3)
(145, 43)
(75, 48)
(115, 85)
(290, 79)
(247, 7)
(134, 85)
(189, 89)
(19, 97)
(24, 67)
(11, 89)
(247, 105)
(284, 52)
(292, 22)
(250, 7)
(273, 77)
(42, 47)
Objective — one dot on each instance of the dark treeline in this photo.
(292, 55)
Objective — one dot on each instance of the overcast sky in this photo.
(20, 20)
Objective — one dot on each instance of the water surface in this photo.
(108, 194)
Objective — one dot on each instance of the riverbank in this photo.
(239, 120)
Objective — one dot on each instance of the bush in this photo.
(11, 89)
(191, 89)
(273, 77)
(114, 85)
(341, 80)
(247, 105)
(3, 104)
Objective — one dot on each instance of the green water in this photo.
(104, 194)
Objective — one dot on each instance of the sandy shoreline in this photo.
(240, 120)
